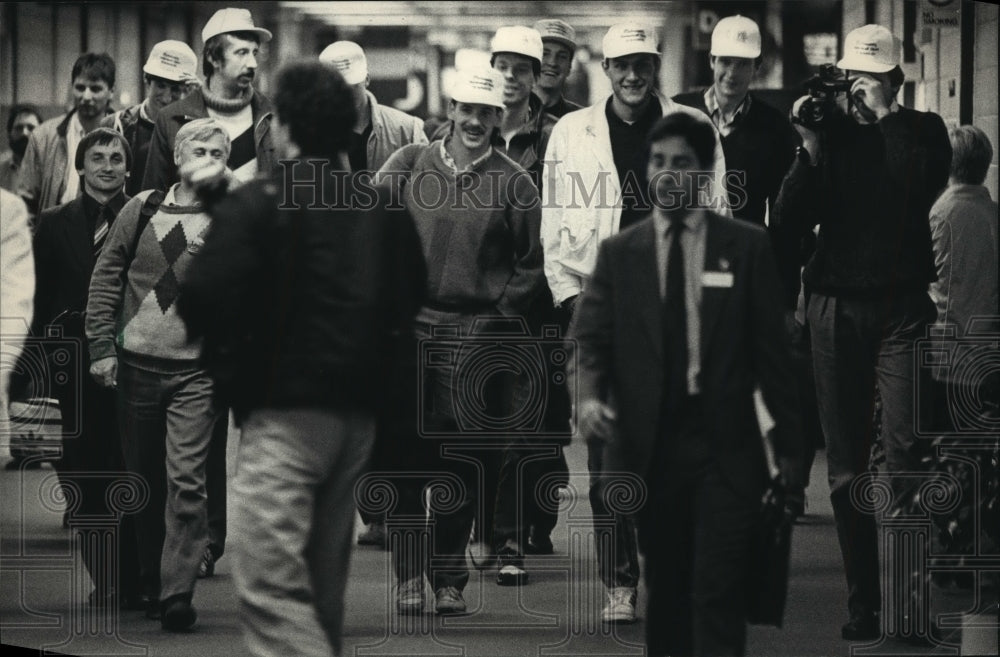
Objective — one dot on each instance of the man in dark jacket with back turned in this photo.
(869, 180)
(297, 305)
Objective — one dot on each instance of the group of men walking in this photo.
(661, 238)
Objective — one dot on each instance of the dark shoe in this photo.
(207, 566)
(862, 628)
(152, 605)
(177, 614)
(539, 545)
(375, 534)
(511, 570)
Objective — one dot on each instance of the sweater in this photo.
(871, 195)
(482, 246)
(140, 317)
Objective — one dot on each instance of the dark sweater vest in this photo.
(762, 146)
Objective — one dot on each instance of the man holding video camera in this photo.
(868, 178)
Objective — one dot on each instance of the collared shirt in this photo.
(450, 161)
(725, 125)
(693, 246)
(74, 133)
(92, 208)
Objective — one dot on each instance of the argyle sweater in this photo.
(140, 317)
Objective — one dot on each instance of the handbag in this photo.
(769, 559)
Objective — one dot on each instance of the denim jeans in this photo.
(293, 518)
(167, 413)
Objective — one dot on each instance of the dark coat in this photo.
(617, 336)
(64, 261)
(302, 307)
(161, 172)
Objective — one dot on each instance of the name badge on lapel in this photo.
(717, 279)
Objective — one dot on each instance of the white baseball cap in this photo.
(736, 36)
(232, 19)
(518, 39)
(553, 29)
(172, 60)
(482, 86)
(628, 39)
(348, 58)
(871, 49)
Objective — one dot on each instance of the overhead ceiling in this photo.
(481, 15)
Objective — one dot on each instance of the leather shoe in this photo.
(177, 614)
(862, 628)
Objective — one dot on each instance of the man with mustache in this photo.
(47, 177)
(21, 122)
(594, 168)
(558, 48)
(229, 62)
(167, 76)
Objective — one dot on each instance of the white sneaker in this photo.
(410, 596)
(620, 607)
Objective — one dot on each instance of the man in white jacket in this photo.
(594, 176)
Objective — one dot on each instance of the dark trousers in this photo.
(857, 343)
(215, 485)
(614, 533)
(88, 465)
(695, 532)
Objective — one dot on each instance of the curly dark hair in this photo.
(22, 108)
(317, 105)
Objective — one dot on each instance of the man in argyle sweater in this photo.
(138, 342)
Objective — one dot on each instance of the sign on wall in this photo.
(941, 13)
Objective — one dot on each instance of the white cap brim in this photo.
(863, 65)
(734, 50)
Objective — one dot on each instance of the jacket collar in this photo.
(63, 126)
(193, 107)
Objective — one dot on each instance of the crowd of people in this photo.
(365, 294)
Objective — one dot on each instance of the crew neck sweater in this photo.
(140, 321)
(479, 229)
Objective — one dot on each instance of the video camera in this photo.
(822, 102)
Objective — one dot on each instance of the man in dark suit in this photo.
(678, 325)
(66, 245)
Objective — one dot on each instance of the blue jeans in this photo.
(293, 518)
(167, 413)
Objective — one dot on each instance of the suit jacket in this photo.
(617, 337)
(64, 260)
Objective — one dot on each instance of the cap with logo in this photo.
(870, 49)
(518, 39)
(736, 36)
(629, 39)
(348, 58)
(232, 19)
(172, 60)
(482, 86)
(553, 29)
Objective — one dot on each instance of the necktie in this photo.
(101, 227)
(675, 320)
